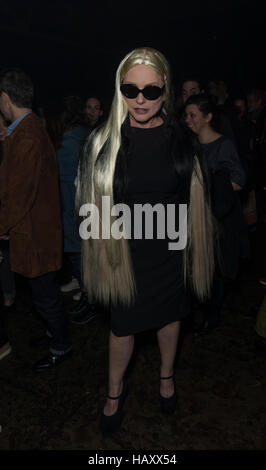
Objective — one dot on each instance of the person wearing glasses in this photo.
(30, 213)
(5, 348)
(142, 156)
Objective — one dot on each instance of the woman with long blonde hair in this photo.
(141, 157)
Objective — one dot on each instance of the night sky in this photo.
(73, 47)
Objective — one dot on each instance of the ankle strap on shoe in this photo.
(114, 398)
(119, 396)
(167, 378)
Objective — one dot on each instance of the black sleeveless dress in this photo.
(161, 295)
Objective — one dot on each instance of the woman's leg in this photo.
(168, 340)
(120, 352)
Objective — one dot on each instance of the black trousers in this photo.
(3, 335)
(214, 305)
(46, 297)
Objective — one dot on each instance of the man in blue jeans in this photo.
(30, 215)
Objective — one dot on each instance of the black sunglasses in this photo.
(150, 92)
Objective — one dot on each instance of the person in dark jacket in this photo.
(30, 214)
(228, 178)
(68, 131)
(7, 277)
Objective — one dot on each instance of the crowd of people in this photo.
(201, 149)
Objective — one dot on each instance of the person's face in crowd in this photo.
(240, 106)
(142, 110)
(195, 119)
(253, 102)
(189, 88)
(2, 128)
(93, 110)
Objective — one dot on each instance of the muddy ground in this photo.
(220, 379)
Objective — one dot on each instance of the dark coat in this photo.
(232, 236)
(225, 167)
(30, 202)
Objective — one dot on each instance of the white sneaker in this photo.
(77, 296)
(72, 285)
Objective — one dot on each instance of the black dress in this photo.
(161, 296)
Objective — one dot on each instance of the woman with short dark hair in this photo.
(228, 177)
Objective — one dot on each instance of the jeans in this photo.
(46, 297)
(74, 265)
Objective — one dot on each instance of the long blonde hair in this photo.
(107, 263)
(109, 136)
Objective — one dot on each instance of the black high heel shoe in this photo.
(168, 404)
(113, 422)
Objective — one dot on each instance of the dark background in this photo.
(75, 46)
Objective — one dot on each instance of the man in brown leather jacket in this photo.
(30, 209)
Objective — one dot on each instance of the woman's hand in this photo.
(236, 186)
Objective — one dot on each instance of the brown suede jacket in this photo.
(29, 200)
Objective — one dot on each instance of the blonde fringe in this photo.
(199, 255)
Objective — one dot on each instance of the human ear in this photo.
(6, 98)
(209, 117)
